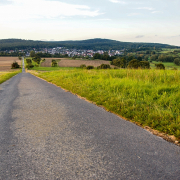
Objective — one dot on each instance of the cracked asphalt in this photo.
(47, 133)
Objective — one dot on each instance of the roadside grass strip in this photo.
(147, 97)
(4, 76)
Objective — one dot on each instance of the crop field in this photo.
(148, 97)
(48, 61)
(73, 63)
(5, 63)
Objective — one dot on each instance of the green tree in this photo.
(144, 64)
(177, 61)
(160, 66)
(154, 57)
(146, 58)
(120, 62)
(54, 63)
(97, 56)
(32, 53)
(104, 66)
(135, 64)
(15, 65)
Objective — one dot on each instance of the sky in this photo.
(123, 20)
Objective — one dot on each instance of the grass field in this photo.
(5, 63)
(7, 75)
(147, 97)
(168, 65)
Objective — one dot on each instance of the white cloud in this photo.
(140, 36)
(155, 12)
(103, 19)
(146, 8)
(116, 1)
(134, 14)
(38, 9)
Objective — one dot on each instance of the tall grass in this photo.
(7, 75)
(148, 97)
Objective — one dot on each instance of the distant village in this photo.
(70, 52)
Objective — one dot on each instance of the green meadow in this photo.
(4, 76)
(147, 97)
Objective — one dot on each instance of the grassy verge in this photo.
(147, 97)
(4, 76)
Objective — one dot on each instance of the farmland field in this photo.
(5, 63)
(73, 63)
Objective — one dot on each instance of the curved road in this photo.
(47, 133)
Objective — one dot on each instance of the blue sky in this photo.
(123, 20)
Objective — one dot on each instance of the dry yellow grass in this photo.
(5, 63)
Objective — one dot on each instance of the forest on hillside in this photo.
(93, 44)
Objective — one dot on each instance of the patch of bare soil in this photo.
(74, 63)
(5, 63)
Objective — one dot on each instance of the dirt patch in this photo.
(48, 61)
(74, 63)
(5, 63)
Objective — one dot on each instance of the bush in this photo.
(29, 66)
(82, 66)
(90, 67)
(116, 68)
(120, 62)
(104, 66)
(144, 64)
(54, 63)
(160, 66)
(28, 61)
(15, 65)
(177, 61)
(135, 64)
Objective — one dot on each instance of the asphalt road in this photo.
(47, 133)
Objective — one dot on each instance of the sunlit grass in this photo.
(148, 97)
(7, 75)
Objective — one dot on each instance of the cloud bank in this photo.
(34, 9)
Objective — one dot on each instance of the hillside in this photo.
(94, 44)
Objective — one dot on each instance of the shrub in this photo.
(160, 66)
(177, 61)
(116, 68)
(15, 65)
(104, 66)
(120, 62)
(90, 67)
(134, 64)
(82, 66)
(29, 66)
(54, 63)
(145, 64)
(28, 61)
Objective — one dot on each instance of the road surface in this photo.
(47, 133)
